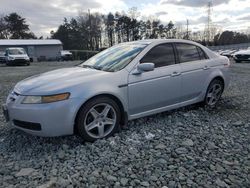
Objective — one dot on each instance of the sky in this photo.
(46, 15)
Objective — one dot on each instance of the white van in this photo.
(16, 56)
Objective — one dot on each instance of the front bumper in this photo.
(49, 120)
(18, 62)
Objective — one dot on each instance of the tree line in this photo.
(230, 37)
(94, 31)
(13, 26)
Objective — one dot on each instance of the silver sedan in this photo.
(125, 82)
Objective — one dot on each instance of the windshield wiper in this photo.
(95, 67)
(92, 67)
(87, 66)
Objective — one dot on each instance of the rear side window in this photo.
(187, 52)
(161, 55)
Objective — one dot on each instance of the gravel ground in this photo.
(188, 147)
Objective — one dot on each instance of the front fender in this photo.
(119, 93)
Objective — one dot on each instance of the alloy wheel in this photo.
(214, 94)
(100, 120)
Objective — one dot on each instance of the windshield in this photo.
(114, 58)
(16, 51)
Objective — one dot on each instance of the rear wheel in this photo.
(98, 118)
(214, 92)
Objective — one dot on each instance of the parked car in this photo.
(17, 56)
(242, 55)
(66, 55)
(124, 82)
(228, 53)
(2, 57)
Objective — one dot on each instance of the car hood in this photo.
(243, 52)
(19, 56)
(56, 81)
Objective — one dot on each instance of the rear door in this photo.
(158, 88)
(194, 70)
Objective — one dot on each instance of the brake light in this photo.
(227, 63)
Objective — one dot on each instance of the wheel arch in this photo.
(124, 115)
(219, 78)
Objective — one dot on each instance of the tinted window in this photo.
(187, 52)
(202, 53)
(161, 55)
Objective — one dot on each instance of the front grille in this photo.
(2, 59)
(15, 93)
(19, 61)
(27, 125)
(13, 96)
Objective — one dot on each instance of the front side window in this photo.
(187, 52)
(161, 55)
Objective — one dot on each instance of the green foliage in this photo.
(83, 32)
(13, 26)
(83, 54)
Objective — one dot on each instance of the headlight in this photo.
(45, 99)
(27, 58)
(11, 58)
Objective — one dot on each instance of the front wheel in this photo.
(98, 118)
(214, 92)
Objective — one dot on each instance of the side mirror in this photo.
(144, 67)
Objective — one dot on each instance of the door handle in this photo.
(175, 74)
(206, 68)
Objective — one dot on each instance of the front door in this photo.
(158, 88)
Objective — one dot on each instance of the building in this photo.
(38, 50)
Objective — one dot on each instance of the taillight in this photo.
(227, 63)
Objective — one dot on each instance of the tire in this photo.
(28, 64)
(98, 118)
(214, 92)
(237, 61)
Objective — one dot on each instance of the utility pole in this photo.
(187, 35)
(90, 29)
(209, 21)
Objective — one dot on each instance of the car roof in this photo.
(155, 41)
